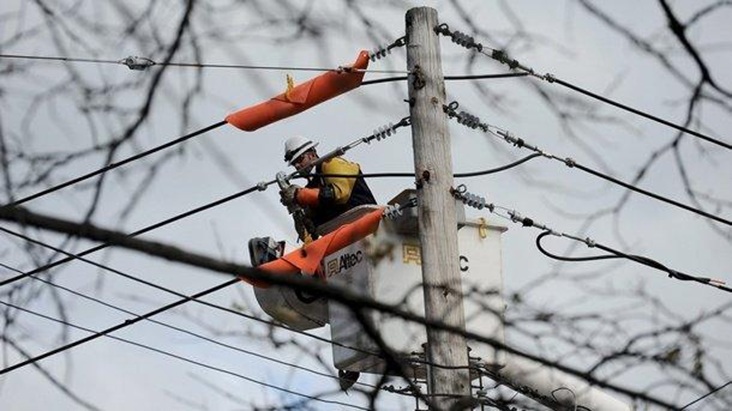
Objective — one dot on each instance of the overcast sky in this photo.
(568, 43)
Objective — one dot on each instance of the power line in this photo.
(234, 269)
(177, 294)
(706, 395)
(119, 326)
(359, 301)
(114, 165)
(88, 251)
(259, 187)
(479, 202)
(146, 316)
(449, 78)
(58, 58)
(536, 154)
(179, 357)
(142, 63)
(179, 329)
(412, 175)
(553, 79)
(678, 275)
(378, 135)
(382, 133)
(355, 300)
(498, 169)
(469, 43)
(473, 122)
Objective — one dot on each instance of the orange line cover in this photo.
(300, 98)
(309, 260)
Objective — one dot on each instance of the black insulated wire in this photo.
(461, 193)
(114, 165)
(119, 326)
(182, 358)
(412, 175)
(615, 254)
(449, 78)
(345, 296)
(675, 274)
(473, 122)
(58, 58)
(705, 395)
(468, 42)
(498, 169)
(552, 79)
(19, 214)
(172, 292)
(565, 258)
(574, 164)
(172, 327)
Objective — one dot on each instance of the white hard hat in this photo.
(295, 147)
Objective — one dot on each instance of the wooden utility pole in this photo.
(437, 219)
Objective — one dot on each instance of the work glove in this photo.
(288, 195)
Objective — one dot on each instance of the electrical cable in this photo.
(170, 144)
(469, 42)
(479, 202)
(142, 63)
(448, 78)
(114, 165)
(498, 169)
(705, 395)
(259, 187)
(675, 274)
(553, 79)
(412, 175)
(119, 326)
(56, 58)
(473, 122)
(179, 329)
(177, 294)
(269, 323)
(128, 322)
(565, 258)
(648, 193)
(678, 275)
(378, 135)
(179, 357)
(346, 296)
(383, 80)
(353, 298)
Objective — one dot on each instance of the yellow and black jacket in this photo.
(328, 197)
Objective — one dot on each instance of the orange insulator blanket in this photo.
(307, 258)
(301, 97)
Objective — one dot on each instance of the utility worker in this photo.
(324, 198)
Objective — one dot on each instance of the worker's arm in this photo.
(337, 190)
